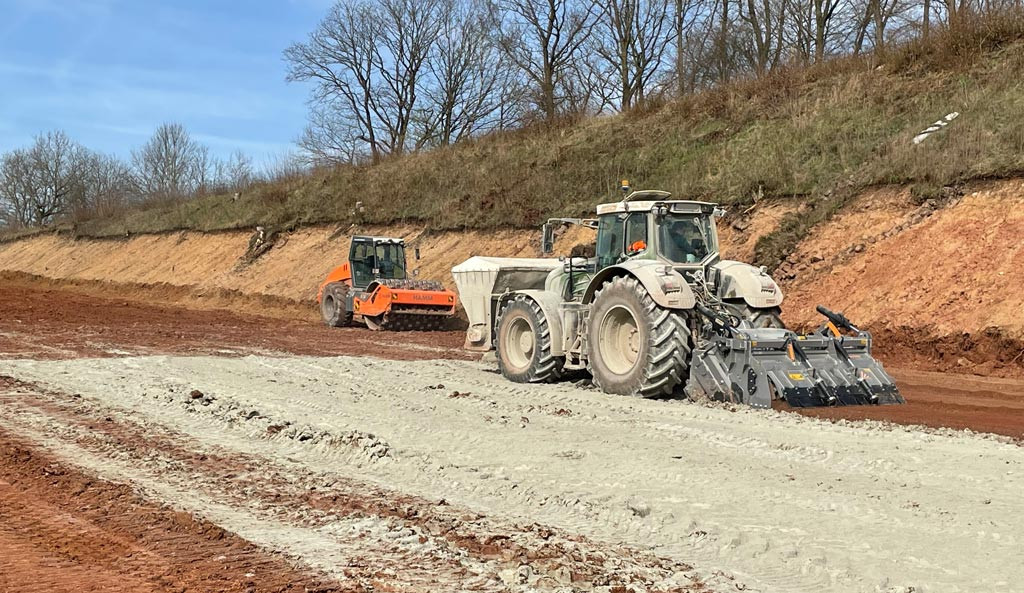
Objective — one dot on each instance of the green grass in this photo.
(820, 134)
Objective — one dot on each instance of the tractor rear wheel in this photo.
(524, 343)
(636, 347)
(334, 305)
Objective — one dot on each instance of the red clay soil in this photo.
(37, 322)
(40, 322)
(941, 400)
(64, 531)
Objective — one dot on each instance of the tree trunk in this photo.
(680, 66)
(819, 31)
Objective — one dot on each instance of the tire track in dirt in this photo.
(439, 547)
(783, 502)
(59, 324)
(63, 530)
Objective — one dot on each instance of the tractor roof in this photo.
(644, 200)
(369, 239)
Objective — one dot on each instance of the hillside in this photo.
(819, 134)
(937, 282)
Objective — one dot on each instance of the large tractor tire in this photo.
(334, 305)
(636, 347)
(524, 343)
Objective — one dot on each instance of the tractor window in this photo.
(609, 240)
(686, 238)
(636, 233)
(362, 264)
(391, 261)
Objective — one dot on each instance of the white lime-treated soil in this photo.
(762, 500)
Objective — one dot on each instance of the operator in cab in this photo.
(683, 241)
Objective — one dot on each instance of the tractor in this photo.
(656, 311)
(373, 288)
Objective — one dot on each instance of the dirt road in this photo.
(153, 448)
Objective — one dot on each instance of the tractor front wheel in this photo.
(524, 343)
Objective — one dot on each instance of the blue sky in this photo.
(108, 72)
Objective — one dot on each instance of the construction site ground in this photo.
(150, 447)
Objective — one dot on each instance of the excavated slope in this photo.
(947, 272)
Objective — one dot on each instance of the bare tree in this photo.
(339, 58)
(722, 40)
(685, 18)
(824, 11)
(171, 164)
(332, 136)
(957, 11)
(367, 60)
(108, 187)
(232, 174)
(543, 38)
(818, 27)
(637, 36)
(39, 183)
(466, 77)
(409, 29)
(16, 188)
(766, 22)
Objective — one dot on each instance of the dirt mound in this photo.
(739, 232)
(949, 274)
(287, 274)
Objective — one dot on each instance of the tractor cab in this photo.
(648, 225)
(376, 258)
(645, 227)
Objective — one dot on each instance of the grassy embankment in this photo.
(820, 134)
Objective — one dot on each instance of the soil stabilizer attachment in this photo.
(740, 364)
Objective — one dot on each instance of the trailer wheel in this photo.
(334, 305)
(635, 346)
(524, 343)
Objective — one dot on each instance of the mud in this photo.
(942, 400)
(56, 323)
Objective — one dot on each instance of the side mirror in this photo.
(417, 253)
(719, 212)
(547, 239)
